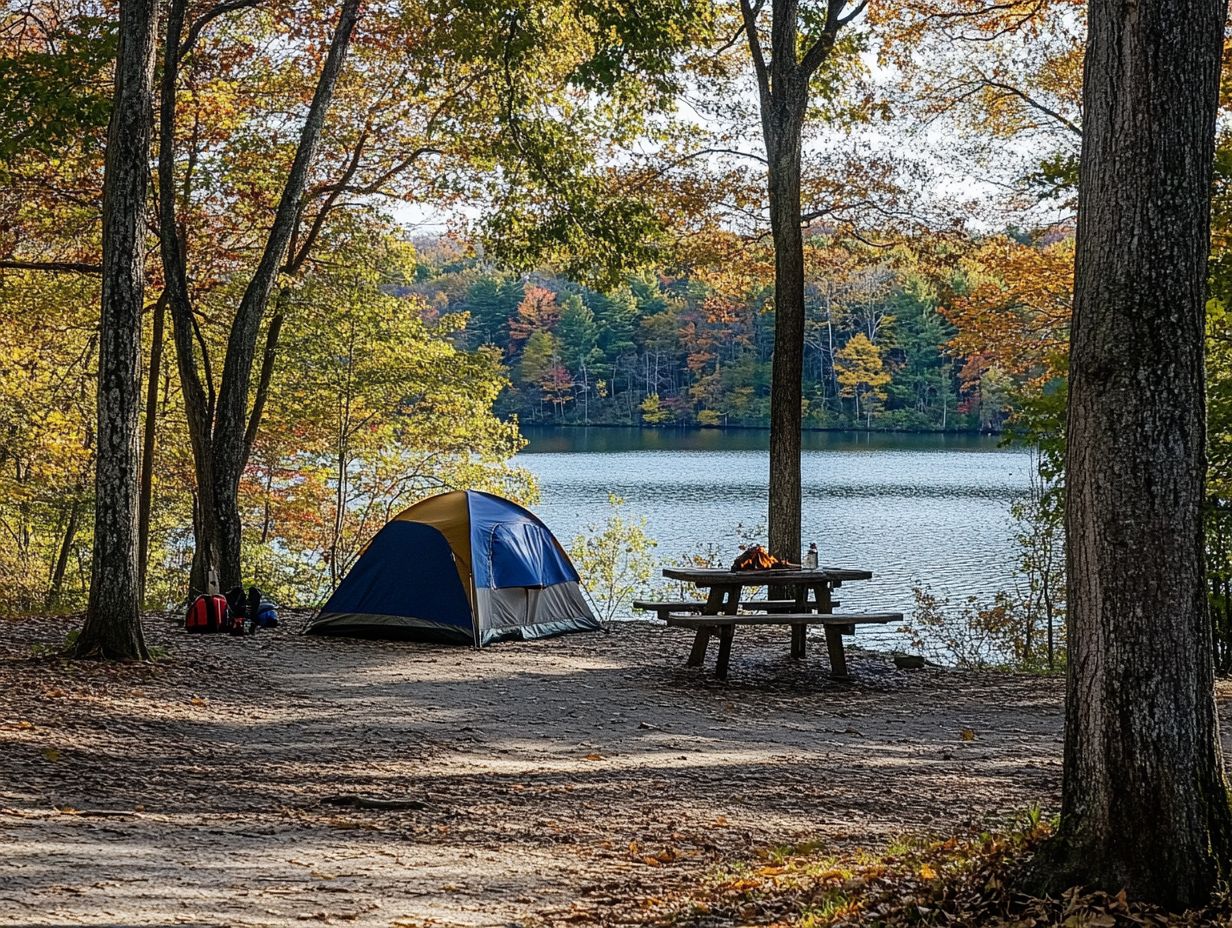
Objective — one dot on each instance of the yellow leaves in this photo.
(51, 755)
(859, 368)
(967, 734)
(199, 701)
(927, 872)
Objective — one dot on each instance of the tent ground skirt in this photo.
(394, 628)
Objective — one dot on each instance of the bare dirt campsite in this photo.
(278, 779)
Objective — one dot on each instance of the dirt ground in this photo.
(545, 782)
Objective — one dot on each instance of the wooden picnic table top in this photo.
(801, 576)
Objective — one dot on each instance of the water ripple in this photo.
(912, 511)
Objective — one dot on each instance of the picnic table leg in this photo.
(725, 639)
(798, 640)
(838, 659)
(822, 598)
(720, 600)
(834, 634)
(697, 656)
(799, 632)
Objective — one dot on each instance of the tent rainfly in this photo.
(465, 567)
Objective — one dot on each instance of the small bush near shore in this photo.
(960, 882)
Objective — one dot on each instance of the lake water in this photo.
(914, 509)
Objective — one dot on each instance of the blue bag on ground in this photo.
(267, 615)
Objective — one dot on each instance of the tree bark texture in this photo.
(1145, 805)
(782, 129)
(220, 423)
(783, 90)
(145, 500)
(112, 627)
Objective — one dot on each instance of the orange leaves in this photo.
(538, 312)
(1016, 315)
(910, 21)
(657, 859)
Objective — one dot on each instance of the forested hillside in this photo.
(693, 347)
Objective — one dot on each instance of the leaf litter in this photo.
(584, 778)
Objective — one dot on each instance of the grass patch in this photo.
(964, 881)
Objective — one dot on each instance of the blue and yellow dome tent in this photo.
(465, 566)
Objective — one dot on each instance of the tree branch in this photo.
(194, 31)
(59, 267)
(1034, 104)
(820, 49)
(846, 20)
(231, 420)
(263, 380)
(749, 13)
(296, 252)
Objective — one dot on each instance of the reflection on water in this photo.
(545, 439)
(914, 509)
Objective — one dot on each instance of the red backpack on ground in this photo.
(209, 613)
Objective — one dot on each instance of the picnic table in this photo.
(809, 602)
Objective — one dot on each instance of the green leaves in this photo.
(55, 87)
(614, 560)
(375, 408)
(641, 43)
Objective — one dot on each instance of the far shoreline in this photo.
(965, 433)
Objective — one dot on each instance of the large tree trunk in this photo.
(1145, 805)
(783, 127)
(113, 620)
(783, 91)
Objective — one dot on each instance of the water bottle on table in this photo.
(810, 559)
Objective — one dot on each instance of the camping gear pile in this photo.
(237, 613)
(755, 557)
(464, 567)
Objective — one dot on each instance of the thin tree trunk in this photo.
(231, 414)
(199, 397)
(56, 586)
(112, 627)
(146, 498)
(1145, 805)
(221, 427)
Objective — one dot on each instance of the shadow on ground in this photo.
(548, 781)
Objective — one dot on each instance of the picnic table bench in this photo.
(721, 612)
(664, 608)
